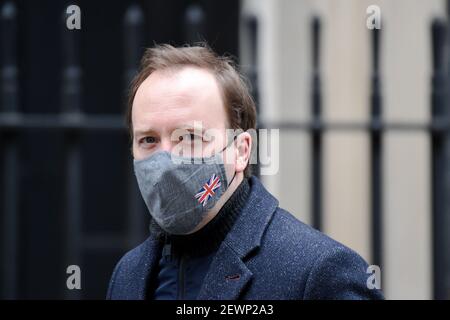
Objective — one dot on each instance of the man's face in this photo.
(170, 106)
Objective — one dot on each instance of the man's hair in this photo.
(236, 97)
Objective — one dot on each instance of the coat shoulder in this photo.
(314, 265)
(294, 234)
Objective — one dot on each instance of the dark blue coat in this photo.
(268, 254)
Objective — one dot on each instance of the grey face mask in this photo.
(179, 191)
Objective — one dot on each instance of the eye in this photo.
(148, 141)
(190, 137)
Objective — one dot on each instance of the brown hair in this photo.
(240, 107)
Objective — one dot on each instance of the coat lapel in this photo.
(227, 277)
(228, 274)
(145, 268)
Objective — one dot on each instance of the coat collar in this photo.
(144, 268)
(228, 273)
(247, 232)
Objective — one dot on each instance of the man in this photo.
(216, 232)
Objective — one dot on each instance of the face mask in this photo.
(179, 191)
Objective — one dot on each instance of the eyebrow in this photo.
(191, 127)
(187, 127)
(143, 131)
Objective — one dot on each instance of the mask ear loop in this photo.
(229, 144)
(234, 175)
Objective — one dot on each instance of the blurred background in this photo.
(364, 120)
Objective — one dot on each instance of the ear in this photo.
(243, 150)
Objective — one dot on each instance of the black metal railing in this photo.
(440, 148)
(9, 96)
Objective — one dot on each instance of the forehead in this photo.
(170, 98)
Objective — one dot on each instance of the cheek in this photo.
(229, 158)
(135, 151)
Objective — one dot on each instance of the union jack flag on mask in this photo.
(208, 190)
